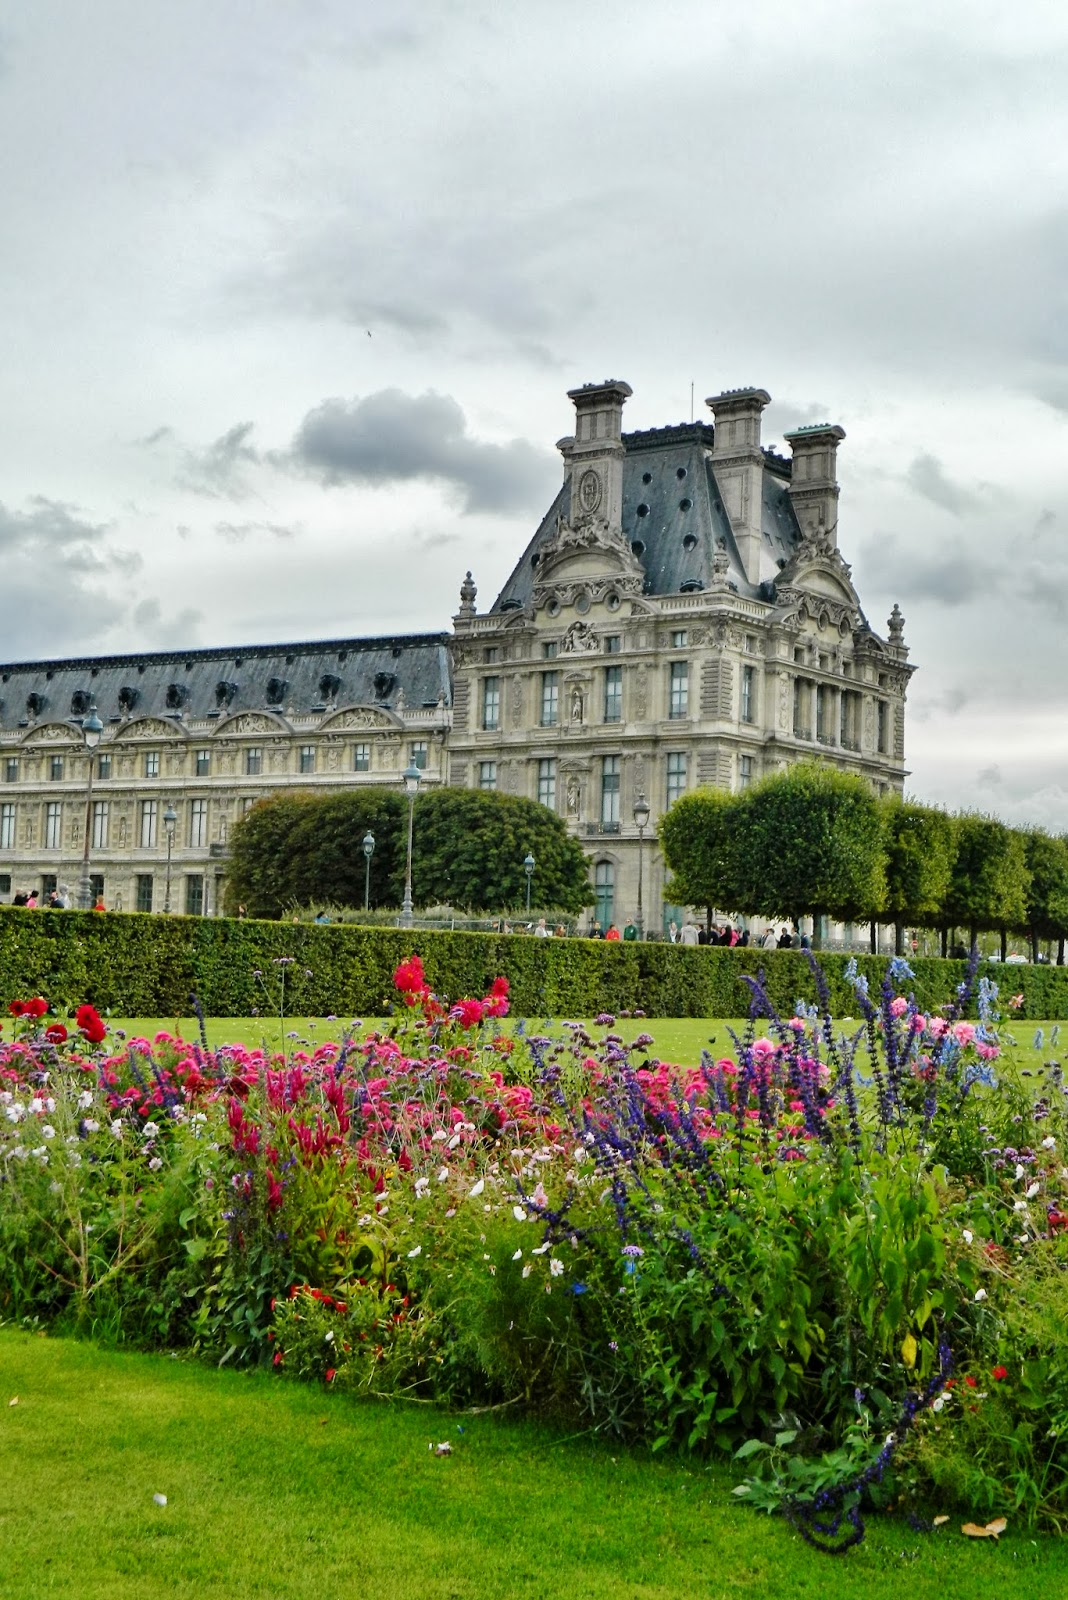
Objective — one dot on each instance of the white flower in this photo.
(36, 1105)
(527, 1270)
(518, 1256)
(150, 1130)
(416, 1252)
(1020, 1170)
(443, 1173)
(1021, 1205)
(938, 1402)
(968, 1236)
(91, 1126)
(85, 1100)
(329, 1337)
(980, 1294)
(50, 1104)
(14, 1113)
(1032, 1191)
(477, 1188)
(454, 1141)
(116, 1128)
(539, 1250)
(438, 1135)
(48, 1132)
(365, 1221)
(556, 1267)
(519, 1213)
(155, 1164)
(421, 1187)
(1050, 1143)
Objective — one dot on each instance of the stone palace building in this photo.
(682, 616)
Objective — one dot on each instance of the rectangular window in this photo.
(49, 884)
(96, 887)
(550, 699)
(750, 644)
(612, 644)
(549, 649)
(802, 725)
(487, 774)
(678, 639)
(883, 713)
(53, 825)
(143, 893)
(604, 888)
(491, 702)
(151, 763)
(11, 769)
(103, 767)
(5, 883)
(850, 720)
(203, 763)
(7, 826)
(491, 653)
(418, 754)
(679, 689)
(194, 895)
(198, 824)
(55, 769)
(610, 791)
(361, 758)
(745, 771)
(307, 758)
(253, 763)
(748, 696)
(101, 811)
(547, 783)
(822, 697)
(676, 775)
(149, 823)
(613, 694)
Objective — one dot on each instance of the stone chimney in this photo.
(595, 454)
(738, 463)
(814, 481)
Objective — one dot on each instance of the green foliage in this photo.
(468, 848)
(1046, 860)
(920, 843)
(989, 882)
(702, 836)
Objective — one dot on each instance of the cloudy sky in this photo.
(292, 295)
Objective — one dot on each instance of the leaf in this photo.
(937, 1522)
(14, 1400)
(990, 1531)
(787, 1436)
(749, 1448)
(908, 1350)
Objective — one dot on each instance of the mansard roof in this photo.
(674, 518)
(288, 679)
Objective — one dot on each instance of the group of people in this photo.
(58, 899)
(692, 933)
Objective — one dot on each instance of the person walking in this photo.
(688, 935)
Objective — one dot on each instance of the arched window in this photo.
(604, 885)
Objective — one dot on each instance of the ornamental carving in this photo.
(641, 693)
(52, 733)
(517, 700)
(580, 639)
(589, 491)
(622, 585)
(359, 717)
(150, 728)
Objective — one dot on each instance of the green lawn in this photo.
(277, 1490)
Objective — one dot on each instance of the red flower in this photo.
(468, 1013)
(973, 1383)
(998, 1373)
(56, 1033)
(35, 1008)
(17, 1008)
(277, 1358)
(90, 1025)
(409, 978)
(331, 1374)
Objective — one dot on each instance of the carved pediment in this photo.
(152, 728)
(588, 547)
(254, 722)
(360, 718)
(53, 733)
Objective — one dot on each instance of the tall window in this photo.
(7, 826)
(604, 888)
(307, 758)
(550, 699)
(547, 783)
(802, 725)
(549, 649)
(151, 763)
(55, 768)
(53, 825)
(194, 895)
(745, 771)
(850, 720)
(101, 810)
(143, 896)
(822, 717)
(11, 769)
(203, 765)
(253, 762)
(418, 751)
(613, 694)
(610, 791)
(149, 823)
(748, 695)
(198, 824)
(612, 644)
(678, 639)
(679, 689)
(487, 774)
(491, 702)
(103, 767)
(676, 775)
(883, 713)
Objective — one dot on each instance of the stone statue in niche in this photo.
(333, 758)
(572, 793)
(576, 703)
(122, 833)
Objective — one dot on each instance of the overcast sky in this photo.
(292, 295)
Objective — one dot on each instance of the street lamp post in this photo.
(641, 822)
(92, 728)
(528, 867)
(170, 818)
(411, 784)
(368, 852)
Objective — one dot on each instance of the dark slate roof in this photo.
(285, 678)
(674, 518)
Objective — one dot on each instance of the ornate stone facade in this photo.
(682, 616)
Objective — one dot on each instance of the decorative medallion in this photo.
(589, 491)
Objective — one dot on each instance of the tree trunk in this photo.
(1060, 952)
(1004, 946)
(945, 942)
(873, 937)
(1034, 946)
(973, 939)
(899, 938)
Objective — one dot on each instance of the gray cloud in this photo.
(945, 575)
(166, 631)
(927, 476)
(238, 532)
(219, 470)
(392, 437)
(58, 569)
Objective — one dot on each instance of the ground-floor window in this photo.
(194, 895)
(143, 898)
(604, 888)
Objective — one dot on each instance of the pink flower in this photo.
(898, 1006)
(762, 1048)
(964, 1032)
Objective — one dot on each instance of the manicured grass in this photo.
(277, 1491)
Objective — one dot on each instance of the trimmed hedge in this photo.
(150, 966)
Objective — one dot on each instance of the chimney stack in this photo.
(814, 481)
(595, 454)
(738, 464)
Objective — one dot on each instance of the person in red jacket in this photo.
(613, 932)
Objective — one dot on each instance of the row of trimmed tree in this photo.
(813, 841)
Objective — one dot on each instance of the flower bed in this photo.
(793, 1253)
